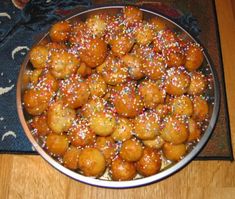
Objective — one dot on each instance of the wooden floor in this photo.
(24, 176)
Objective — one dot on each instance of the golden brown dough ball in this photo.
(123, 130)
(107, 146)
(146, 125)
(177, 81)
(97, 85)
(34, 76)
(84, 70)
(156, 143)
(151, 94)
(38, 56)
(102, 123)
(36, 100)
(63, 64)
(154, 67)
(91, 162)
(182, 105)
(144, 34)
(197, 84)
(48, 81)
(121, 44)
(134, 65)
(200, 109)
(74, 91)
(78, 34)
(80, 134)
(122, 170)
(39, 123)
(194, 57)
(165, 39)
(57, 144)
(93, 106)
(94, 52)
(70, 158)
(113, 71)
(174, 56)
(174, 152)
(127, 103)
(174, 130)
(59, 117)
(194, 130)
(59, 32)
(158, 24)
(162, 110)
(131, 150)
(132, 15)
(96, 25)
(150, 162)
(53, 46)
(145, 52)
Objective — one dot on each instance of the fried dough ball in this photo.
(146, 125)
(154, 67)
(102, 123)
(122, 170)
(200, 109)
(39, 123)
(174, 152)
(131, 150)
(194, 130)
(59, 117)
(162, 110)
(94, 52)
(91, 162)
(93, 106)
(132, 15)
(151, 94)
(97, 85)
(194, 57)
(59, 32)
(127, 103)
(34, 76)
(174, 130)
(38, 56)
(36, 100)
(177, 81)
(107, 146)
(80, 134)
(74, 91)
(197, 84)
(165, 39)
(157, 24)
(156, 143)
(174, 56)
(53, 46)
(84, 70)
(63, 64)
(123, 130)
(57, 144)
(144, 34)
(113, 71)
(48, 81)
(96, 25)
(134, 65)
(150, 162)
(182, 105)
(121, 44)
(70, 158)
(78, 33)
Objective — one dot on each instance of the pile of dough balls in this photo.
(116, 93)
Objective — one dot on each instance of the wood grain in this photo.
(24, 176)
